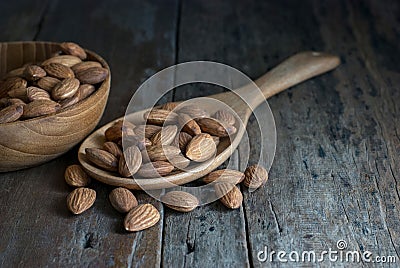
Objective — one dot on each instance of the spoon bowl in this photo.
(243, 101)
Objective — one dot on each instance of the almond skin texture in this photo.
(225, 116)
(141, 217)
(115, 132)
(162, 153)
(34, 72)
(12, 83)
(122, 200)
(155, 169)
(65, 89)
(19, 93)
(180, 201)
(130, 161)
(188, 124)
(201, 148)
(147, 130)
(11, 113)
(165, 136)
(160, 117)
(255, 176)
(58, 71)
(229, 194)
(39, 108)
(102, 159)
(193, 111)
(92, 75)
(35, 93)
(80, 200)
(182, 140)
(225, 175)
(215, 128)
(47, 83)
(139, 141)
(84, 65)
(75, 176)
(112, 148)
(73, 49)
(66, 60)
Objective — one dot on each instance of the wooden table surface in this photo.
(336, 171)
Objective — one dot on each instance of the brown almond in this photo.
(229, 194)
(15, 72)
(147, 130)
(34, 72)
(102, 159)
(162, 153)
(66, 60)
(39, 108)
(112, 148)
(19, 93)
(141, 217)
(122, 200)
(11, 84)
(214, 127)
(84, 65)
(179, 162)
(115, 132)
(86, 90)
(182, 140)
(75, 176)
(35, 93)
(47, 83)
(130, 161)
(155, 169)
(225, 175)
(180, 201)
(73, 49)
(255, 176)
(11, 113)
(201, 148)
(193, 111)
(80, 200)
(83, 92)
(140, 142)
(92, 75)
(188, 124)
(165, 136)
(160, 117)
(58, 71)
(65, 89)
(170, 106)
(225, 117)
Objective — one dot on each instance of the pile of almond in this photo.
(170, 139)
(38, 89)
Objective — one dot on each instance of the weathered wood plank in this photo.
(137, 39)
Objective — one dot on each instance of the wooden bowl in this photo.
(35, 141)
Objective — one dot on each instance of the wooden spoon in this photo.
(292, 71)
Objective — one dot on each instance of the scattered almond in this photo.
(225, 175)
(122, 200)
(141, 217)
(75, 176)
(180, 201)
(255, 176)
(80, 200)
(229, 194)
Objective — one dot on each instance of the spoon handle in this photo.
(290, 72)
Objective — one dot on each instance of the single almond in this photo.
(65, 89)
(216, 128)
(39, 108)
(12, 83)
(75, 176)
(102, 159)
(229, 194)
(165, 136)
(35, 93)
(66, 60)
(182, 140)
(11, 113)
(141, 217)
(115, 132)
(47, 83)
(180, 201)
(155, 169)
(188, 124)
(162, 153)
(130, 161)
(170, 106)
(73, 49)
(82, 93)
(225, 175)
(80, 200)
(179, 162)
(122, 200)
(84, 65)
(112, 148)
(225, 116)
(201, 148)
(193, 111)
(92, 75)
(58, 71)
(19, 93)
(160, 117)
(34, 72)
(147, 130)
(255, 176)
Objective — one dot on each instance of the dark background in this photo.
(336, 170)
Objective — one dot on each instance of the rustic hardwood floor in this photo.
(336, 171)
